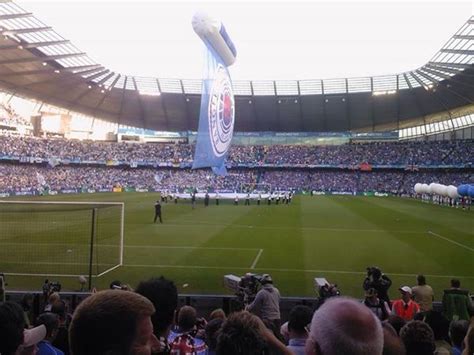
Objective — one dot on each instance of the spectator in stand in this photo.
(392, 344)
(423, 294)
(62, 337)
(469, 342)
(14, 338)
(164, 296)
(456, 302)
(51, 322)
(298, 328)
(183, 339)
(27, 305)
(457, 332)
(440, 327)
(380, 308)
(212, 331)
(418, 338)
(344, 326)
(405, 307)
(266, 304)
(52, 299)
(245, 334)
(113, 322)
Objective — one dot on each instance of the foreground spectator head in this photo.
(396, 322)
(240, 334)
(455, 283)
(421, 280)
(51, 322)
(164, 296)
(187, 318)
(457, 332)
(392, 344)
(113, 322)
(217, 313)
(212, 331)
(299, 321)
(15, 340)
(418, 338)
(344, 326)
(11, 327)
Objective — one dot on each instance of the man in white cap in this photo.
(405, 307)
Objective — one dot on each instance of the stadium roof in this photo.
(38, 63)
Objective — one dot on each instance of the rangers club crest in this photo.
(221, 112)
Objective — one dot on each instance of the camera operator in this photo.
(267, 302)
(379, 281)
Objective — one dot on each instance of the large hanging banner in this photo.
(217, 114)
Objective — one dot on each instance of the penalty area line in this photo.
(450, 241)
(256, 259)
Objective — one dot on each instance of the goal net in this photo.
(60, 238)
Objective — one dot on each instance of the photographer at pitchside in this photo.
(267, 302)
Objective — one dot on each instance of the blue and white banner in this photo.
(216, 119)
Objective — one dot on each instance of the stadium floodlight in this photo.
(57, 238)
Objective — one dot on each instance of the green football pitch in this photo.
(335, 237)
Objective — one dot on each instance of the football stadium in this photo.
(291, 199)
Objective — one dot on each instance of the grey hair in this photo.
(345, 326)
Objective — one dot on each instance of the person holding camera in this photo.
(379, 281)
(267, 302)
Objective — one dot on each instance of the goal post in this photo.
(59, 238)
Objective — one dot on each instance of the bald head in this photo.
(345, 326)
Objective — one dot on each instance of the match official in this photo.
(157, 211)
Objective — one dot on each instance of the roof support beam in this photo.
(417, 102)
(43, 71)
(42, 59)
(458, 51)
(185, 99)
(105, 78)
(25, 30)
(33, 45)
(469, 101)
(450, 65)
(468, 37)
(140, 103)
(15, 16)
(163, 105)
(106, 94)
(435, 97)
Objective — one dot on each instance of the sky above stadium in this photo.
(274, 40)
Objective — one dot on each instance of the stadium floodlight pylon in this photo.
(58, 238)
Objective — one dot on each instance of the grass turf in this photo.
(335, 237)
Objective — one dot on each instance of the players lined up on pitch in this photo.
(148, 321)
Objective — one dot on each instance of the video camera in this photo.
(325, 290)
(51, 287)
(244, 287)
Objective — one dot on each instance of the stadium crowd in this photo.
(147, 321)
(22, 177)
(390, 153)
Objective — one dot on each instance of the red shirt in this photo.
(405, 310)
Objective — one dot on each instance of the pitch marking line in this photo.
(450, 240)
(285, 270)
(256, 259)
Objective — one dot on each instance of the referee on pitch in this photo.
(157, 211)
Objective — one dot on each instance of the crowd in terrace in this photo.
(20, 177)
(393, 153)
(148, 321)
